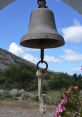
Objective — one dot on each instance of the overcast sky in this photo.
(14, 20)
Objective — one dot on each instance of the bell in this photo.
(42, 31)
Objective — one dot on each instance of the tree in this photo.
(19, 76)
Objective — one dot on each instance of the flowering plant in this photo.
(70, 105)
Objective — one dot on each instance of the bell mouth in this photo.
(42, 42)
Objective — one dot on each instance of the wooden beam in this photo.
(75, 4)
(4, 3)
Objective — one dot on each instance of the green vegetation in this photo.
(23, 76)
(18, 76)
(51, 98)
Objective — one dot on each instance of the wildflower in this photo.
(66, 95)
(72, 89)
(60, 109)
(68, 103)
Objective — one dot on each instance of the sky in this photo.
(14, 21)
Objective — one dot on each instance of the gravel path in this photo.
(15, 110)
(18, 112)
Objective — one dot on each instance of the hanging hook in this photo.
(41, 3)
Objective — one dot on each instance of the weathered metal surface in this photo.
(42, 31)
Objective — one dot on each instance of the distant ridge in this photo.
(7, 58)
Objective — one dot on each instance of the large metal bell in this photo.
(42, 31)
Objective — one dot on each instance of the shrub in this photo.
(70, 105)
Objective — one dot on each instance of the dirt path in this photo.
(7, 110)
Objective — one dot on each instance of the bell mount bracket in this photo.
(41, 3)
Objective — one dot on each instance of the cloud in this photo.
(73, 33)
(76, 69)
(22, 52)
(31, 58)
(71, 55)
(76, 22)
(15, 49)
(52, 59)
(27, 54)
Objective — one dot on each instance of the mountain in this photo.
(7, 58)
(23, 76)
(16, 72)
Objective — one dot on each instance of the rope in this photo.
(40, 74)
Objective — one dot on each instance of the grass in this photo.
(51, 97)
(51, 93)
(54, 93)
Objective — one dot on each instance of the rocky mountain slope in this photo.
(7, 58)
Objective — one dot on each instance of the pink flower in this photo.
(67, 99)
(72, 89)
(56, 114)
(63, 102)
(59, 109)
(66, 95)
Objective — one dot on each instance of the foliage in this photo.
(18, 76)
(70, 105)
(7, 96)
(23, 76)
(61, 80)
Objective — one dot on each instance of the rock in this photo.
(13, 92)
(81, 92)
(7, 59)
(1, 91)
(21, 91)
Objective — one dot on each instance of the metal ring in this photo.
(42, 62)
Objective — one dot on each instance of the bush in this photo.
(70, 105)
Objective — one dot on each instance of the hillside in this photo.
(20, 73)
(15, 72)
(7, 58)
